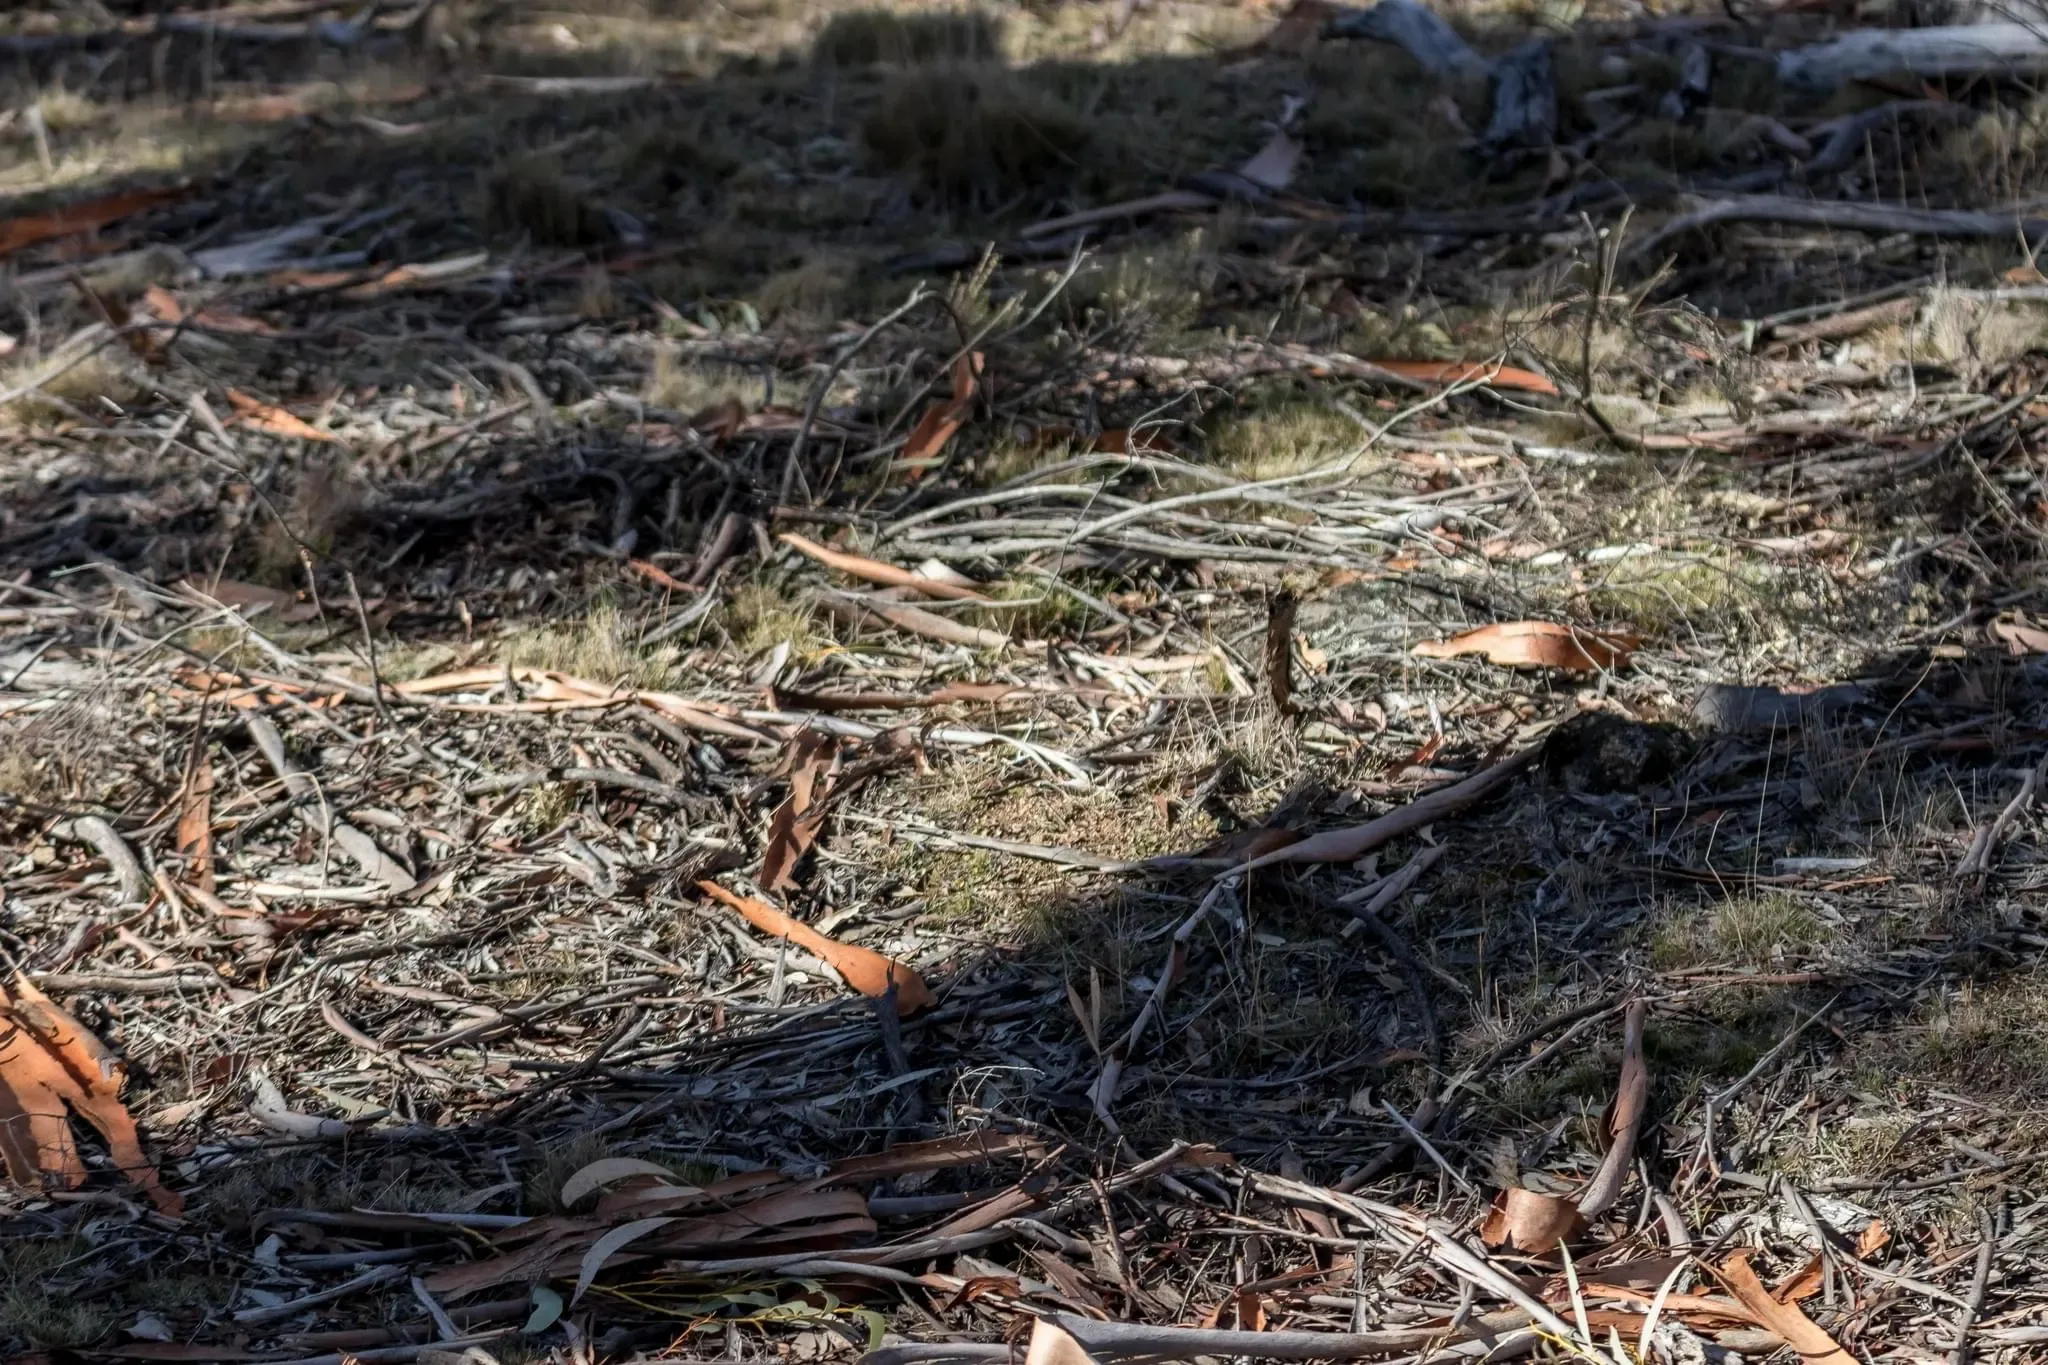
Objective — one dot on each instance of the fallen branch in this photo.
(1355, 841)
(1136, 1340)
(107, 840)
(2009, 49)
(856, 607)
(1625, 1119)
(1840, 213)
(1524, 89)
(875, 571)
(313, 812)
(1984, 846)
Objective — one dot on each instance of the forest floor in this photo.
(665, 695)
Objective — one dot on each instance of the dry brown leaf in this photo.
(1253, 841)
(1705, 1311)
(659, 576)
(1788, 1320)
(1123, 441)
(875, 571)
(48, 1061)
(403, 277)
(194, 837)
(794, 825)
(1624, 1117)
(1874, 1238)
(2020, 637)
(587, 1180)
(1637, 1275)
(802, 1212)
(778, 1219)
(1465, 372)
(933, 1154)
(16, 233)
(721, 421)
(915, 620)
(232, 592)
(1530, 1223)
(866, 970)
(164, 306)
(1536, 644)
(1050, 1345)
(948, 695)
(1802, 1283)
(547, 690)
(254, 412)
(941, 420)
(1280, 614)
(35, 1135)
(1355, 841)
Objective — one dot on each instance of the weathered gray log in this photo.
(313, 812)
(1853, 216)
(1524, 90)
(1524, 99)
(1695, 83)
(128, 873)
(1953, 50)
(1846, 136)
(1419, 31)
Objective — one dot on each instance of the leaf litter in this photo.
(1665, 1028)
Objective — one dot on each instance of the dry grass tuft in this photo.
(1031, 610)
(1147, 296)
(1671, 597)
(1971, 332)
(1286, 437)
(321, 501)
(810, 294)
(691, 386)
(975, 134)
(1991, 1036)
(757, 617)
(874, 37)
(1380, 130)
(541, 1192)
(34, 1309)
(600, 647)
(533, 197)
(2001, 155)
(1873, 1138)
(68, 384)
(540, 809)
(1746, 931)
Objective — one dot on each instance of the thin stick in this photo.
(369, 645)
(1429, 1149)
(1367, 917)
(1959, 1354)
(824, 386)
(1977, 862)
(1103, 1092)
